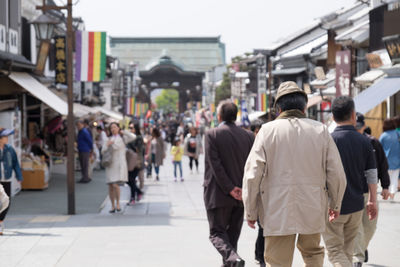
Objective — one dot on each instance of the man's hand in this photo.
(385, 194)
(333, 215)
(236, 193)
(372, 210)
(251, 224)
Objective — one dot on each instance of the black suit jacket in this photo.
(226, 151)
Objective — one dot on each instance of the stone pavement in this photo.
(167, 228)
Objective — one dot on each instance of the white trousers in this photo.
(394, 180)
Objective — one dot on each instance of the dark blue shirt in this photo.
(357, 156)
(85, 142)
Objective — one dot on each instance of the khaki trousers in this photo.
(339, 238)
(279, 250)
(364, 235)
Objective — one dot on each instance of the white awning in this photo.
(40, 91)
(112, 114)
(376, 94)
(82, 110)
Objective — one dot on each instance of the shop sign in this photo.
(61, 60)
(392, 44)
(2, 38)
(42, 57)
(374, 61)
(343, 72)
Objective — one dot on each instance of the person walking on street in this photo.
(390, 140)
(177, 153)
(359, 164)
(155, 153)
(117, 171)
(193, 148)
(137, 145)
(368, 227)
(8, 163)
(292, 171)
(85, 146)
(226, 150)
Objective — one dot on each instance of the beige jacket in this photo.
(292, 170)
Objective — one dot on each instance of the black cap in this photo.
(360, 120)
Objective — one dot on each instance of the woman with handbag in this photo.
(136, 146)
(155, 152)
(8, 164)
(116, 168)
(193, 148)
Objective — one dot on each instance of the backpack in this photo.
(107, 157)
(132, 160)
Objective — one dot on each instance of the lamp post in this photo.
(70, 117)
(44, 27)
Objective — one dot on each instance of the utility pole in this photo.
(70, 94)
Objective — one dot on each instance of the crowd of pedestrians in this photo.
(298, 182)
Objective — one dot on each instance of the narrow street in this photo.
(167, 228)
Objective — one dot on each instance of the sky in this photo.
(242, 24)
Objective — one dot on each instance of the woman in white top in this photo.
(117, 172)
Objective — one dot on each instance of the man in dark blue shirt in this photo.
(85, 146)
(359, 164)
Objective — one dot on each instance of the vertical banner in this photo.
(245, 115)
(262, 102)
(90, 56)
(343, 72)
(61, 60)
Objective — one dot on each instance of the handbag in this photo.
(132, 159)
(4, 199)
(107, 157)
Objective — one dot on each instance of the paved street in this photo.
(167, 228)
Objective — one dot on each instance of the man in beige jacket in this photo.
(293, 173)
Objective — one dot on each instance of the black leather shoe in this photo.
(239, 263)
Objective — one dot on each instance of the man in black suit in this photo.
(226, 151)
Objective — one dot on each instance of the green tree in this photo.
(168, 100)
(224, 90)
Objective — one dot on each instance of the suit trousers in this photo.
(279, 250)
(84, 162)
(339, 238)
(365, 233)
(225, 227)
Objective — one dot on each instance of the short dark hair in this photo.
(156, 133)
(292, 101)
(342, 108)
(227, 110)
(388, 124)
(397, 121)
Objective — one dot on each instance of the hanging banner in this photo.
(61, 60)
(90, 56)
(262, 102)
(343, 72)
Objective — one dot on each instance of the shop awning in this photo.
(7, 104)
(314, 100)
(289, 71)
(377, 93)
(82, 110)
(40, 91)
(112, 114)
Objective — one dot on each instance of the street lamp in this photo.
(70, 95)
(44, 27)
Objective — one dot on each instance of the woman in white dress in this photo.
(117, 172)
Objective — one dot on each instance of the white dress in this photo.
(117, 172)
